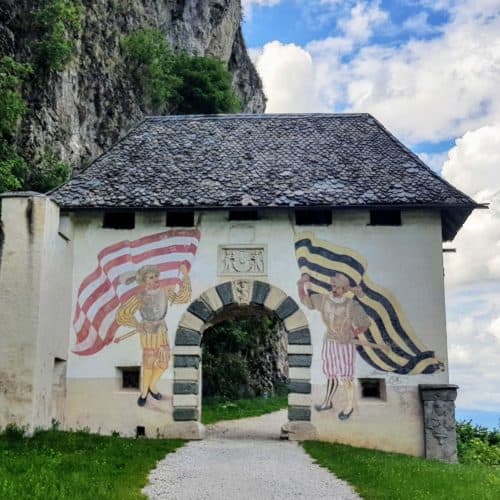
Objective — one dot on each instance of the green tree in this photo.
(12, 107)
(151, 63)
(178, 84)
(57, 24)
(49, 173)
(240, 358)
(205, 86)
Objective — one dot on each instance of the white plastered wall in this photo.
(35, 304)
(406, 260)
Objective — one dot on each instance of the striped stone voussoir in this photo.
(244, 292)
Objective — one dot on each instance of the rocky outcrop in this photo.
(83, 110)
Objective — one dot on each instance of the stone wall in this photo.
(35, 299)
(413, 274)
(85, 109)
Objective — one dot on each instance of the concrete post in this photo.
(439, 421)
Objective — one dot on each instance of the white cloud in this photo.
(434, 160)
(265, 3)
(422, 90)
(289, 79)
(363, 18)
(473, 166)
(494, 328)
(418, 24)
(294, 82)
(474, 346)
(247, 5)
(430, 90)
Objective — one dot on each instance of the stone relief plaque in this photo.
(242, 260)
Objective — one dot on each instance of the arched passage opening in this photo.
(244, 356)
(199, 316)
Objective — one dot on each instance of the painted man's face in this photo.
(338, 288)
(152, 281)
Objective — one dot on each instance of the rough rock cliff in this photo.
(83, 110)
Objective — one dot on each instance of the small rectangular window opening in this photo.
(118, 220)
(372, 388)
(385, 217)
(130, 377)
(243, 215)
(180, 218)
(59, 368)
(313, 217)
(140, 431)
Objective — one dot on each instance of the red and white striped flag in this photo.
(102, 292)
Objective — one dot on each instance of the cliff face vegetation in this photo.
(79, 89)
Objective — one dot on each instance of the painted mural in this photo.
(128, 295)
(359, 317)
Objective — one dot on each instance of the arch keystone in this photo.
(242, 291)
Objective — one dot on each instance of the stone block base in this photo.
(299, 431)
(184, 430)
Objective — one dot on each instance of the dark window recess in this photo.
(385, 217)
(140, 431)
(119, 220)
(243, 215)
(131, 377)
(371, 388)
(304, 217)
(180, 218)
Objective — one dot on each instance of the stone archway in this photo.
(187, 350)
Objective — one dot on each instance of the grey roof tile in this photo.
(277, 160)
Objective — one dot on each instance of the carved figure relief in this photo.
(242, 260)
(440, 419)
(241, 290)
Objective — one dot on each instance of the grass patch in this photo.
(77, 465)
(215, 409)
(378, 475)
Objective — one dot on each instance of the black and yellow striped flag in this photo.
(389, 327)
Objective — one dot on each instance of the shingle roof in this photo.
(346, 160)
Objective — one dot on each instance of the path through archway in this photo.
(187, 350)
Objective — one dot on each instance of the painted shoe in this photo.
(141, 401)
(345, 416)
(155, 395)
(323, 407)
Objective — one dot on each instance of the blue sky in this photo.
(429, 70)
(301, 21)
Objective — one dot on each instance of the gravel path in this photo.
(264, 427)
(246, 467)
